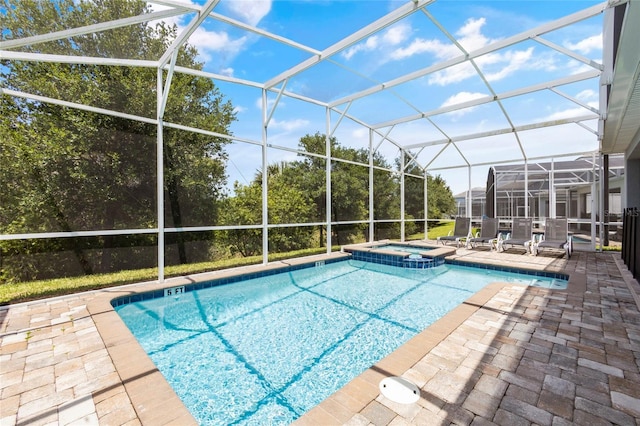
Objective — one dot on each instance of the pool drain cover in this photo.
(399, 390)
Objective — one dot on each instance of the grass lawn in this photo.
(33, 290)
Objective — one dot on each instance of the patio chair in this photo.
(556, 236)
(521, 234)
(488, 233)
(461, 231)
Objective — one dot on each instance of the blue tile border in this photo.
(546, 274)
(155, 294)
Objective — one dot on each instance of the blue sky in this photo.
(413, 43)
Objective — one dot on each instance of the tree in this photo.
(440, 201)
(349, 186)
(69, 169)
(286, 204)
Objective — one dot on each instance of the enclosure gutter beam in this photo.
(387, 20)
(74, 105)
(265, 186)
(186, 33)
(328, 188)
(141, 63)
(160, 181)
(89, 29)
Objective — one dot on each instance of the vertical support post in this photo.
(470, 194)
(160, 180)
(526, 188)
(552, 191)
(426, 205)
(328, 180)
(402, 160)
(594, 202)
(604, 179)
(371, 215)
(265, 186)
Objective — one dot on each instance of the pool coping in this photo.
(155, 402)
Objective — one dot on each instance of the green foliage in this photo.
(440, 201)
(286, 204)
(297, 194)
(66, 169)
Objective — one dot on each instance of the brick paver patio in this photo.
(510, 355)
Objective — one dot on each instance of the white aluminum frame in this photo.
(278, 84)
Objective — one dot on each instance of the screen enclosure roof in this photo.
(450, 83)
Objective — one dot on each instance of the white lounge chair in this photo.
(521, 234)
(556, 236)
(461, 231)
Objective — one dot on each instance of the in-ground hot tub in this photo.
(415, 254)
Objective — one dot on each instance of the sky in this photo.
(445, 31)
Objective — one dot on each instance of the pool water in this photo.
(266, 350)
(402, 248)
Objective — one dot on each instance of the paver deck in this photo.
(509, 355)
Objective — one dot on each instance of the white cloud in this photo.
(586, 46)
(208, 42)
(419, 45)
(470, 37)
(205, 41)
(227, 71)
(452, 74)
(514, 60)
(391, 37)
(249, 11)
(289, 125)
(461, 97)
(496, 65)
(587, 95)
(239, 109)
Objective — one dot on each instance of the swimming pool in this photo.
(266, 350)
